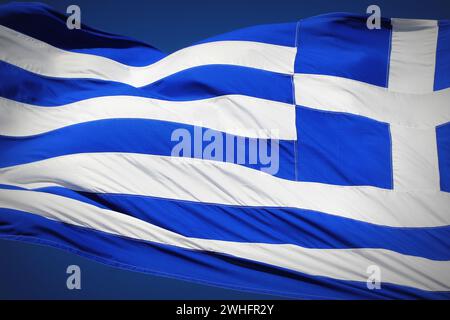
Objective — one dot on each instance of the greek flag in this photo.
(307, 159)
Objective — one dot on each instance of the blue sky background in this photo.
(173, 24)
(31, 271)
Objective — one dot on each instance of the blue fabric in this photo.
(443, 145)
(192, 84)
(442, 68)
(340, 45)
(343, 149)
(198, 266)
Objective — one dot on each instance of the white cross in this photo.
(409, 104)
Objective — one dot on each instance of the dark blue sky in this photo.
(30, 271)
(173, 24)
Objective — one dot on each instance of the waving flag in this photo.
(99, 153)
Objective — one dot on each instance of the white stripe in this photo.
(330, 93)
(41, 58)
(414, 158)
(343, 264)
(233, 114)
(227, 183)
(413, 55)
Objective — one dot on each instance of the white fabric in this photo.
(415, 158)
(233, 114)
(413, 55)
(226, 183)
(337, 94)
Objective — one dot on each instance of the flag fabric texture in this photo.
(360, 119)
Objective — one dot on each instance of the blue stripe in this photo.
(442, 68)
(191, 84)
(443, 146)
(197, 266)
(277, 225)
(341, 45)
(41, 22)
(282, 34)
(127, 135)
